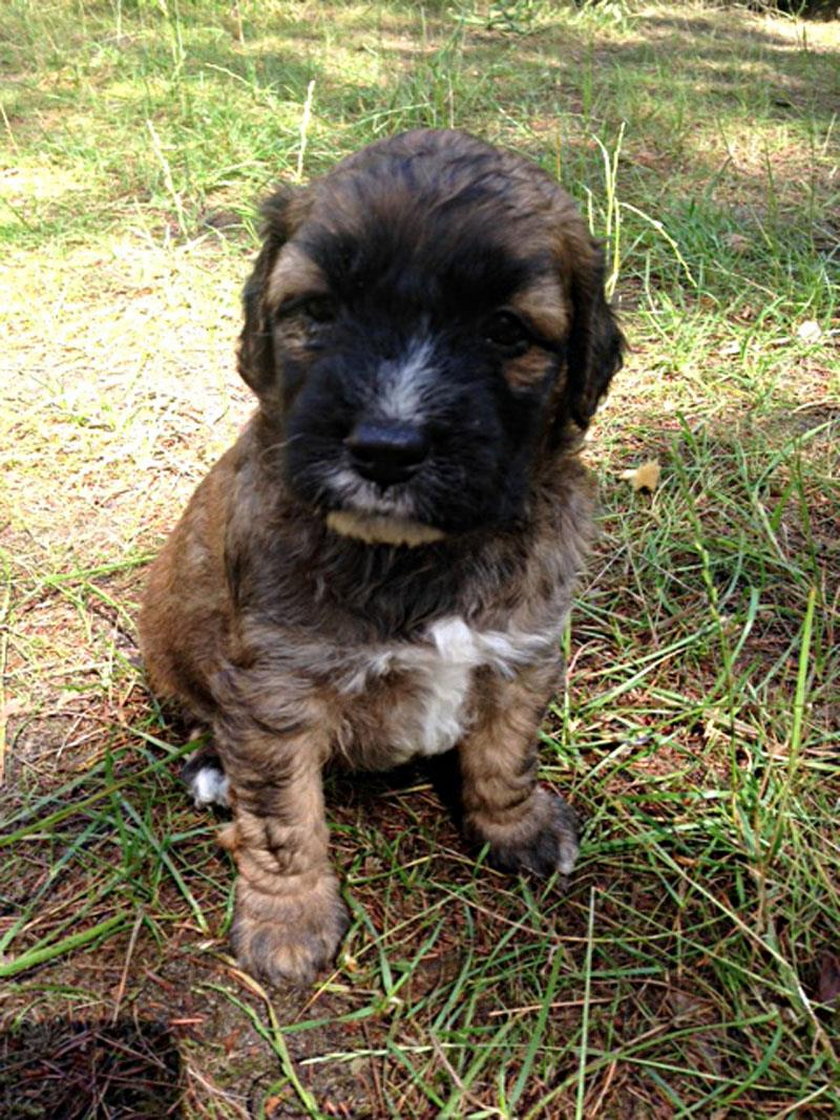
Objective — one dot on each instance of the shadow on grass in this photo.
(76, 1069)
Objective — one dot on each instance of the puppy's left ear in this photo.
(281, 214)
(596, 345)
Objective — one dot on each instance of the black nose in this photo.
(387, 453)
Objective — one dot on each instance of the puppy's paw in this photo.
(544, 840)
(290, 935)
(206, 780)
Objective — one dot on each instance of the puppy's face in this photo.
(422, 327)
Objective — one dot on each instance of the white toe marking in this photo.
(209, 786)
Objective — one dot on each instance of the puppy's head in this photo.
(425, 327)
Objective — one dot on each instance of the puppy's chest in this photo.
(408, 699)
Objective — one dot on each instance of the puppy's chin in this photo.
(375, 528)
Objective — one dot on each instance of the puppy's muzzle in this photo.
(387, 453)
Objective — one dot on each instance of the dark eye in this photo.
(507, 333)
(320, 309)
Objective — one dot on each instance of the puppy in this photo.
(382, 565)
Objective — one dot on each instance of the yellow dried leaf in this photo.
(644, 477)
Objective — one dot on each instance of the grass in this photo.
(691, 970)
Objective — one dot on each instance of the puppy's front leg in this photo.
(289, 917)
(526, 826)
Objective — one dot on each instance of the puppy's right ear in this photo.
(596, 344)
(281, 214)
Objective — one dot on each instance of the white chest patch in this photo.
(441, 669)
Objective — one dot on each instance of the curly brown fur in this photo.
(382, 566)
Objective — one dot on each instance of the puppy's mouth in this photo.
(373, 486)
(378, 529)
(374, 513)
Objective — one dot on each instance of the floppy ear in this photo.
(281, 214)
(596, 344)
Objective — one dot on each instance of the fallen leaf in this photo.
(828, 985)
(647, 158)
(809, 331)
(737, 242)
(645, 477)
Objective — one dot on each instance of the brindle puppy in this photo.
(382, 566)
